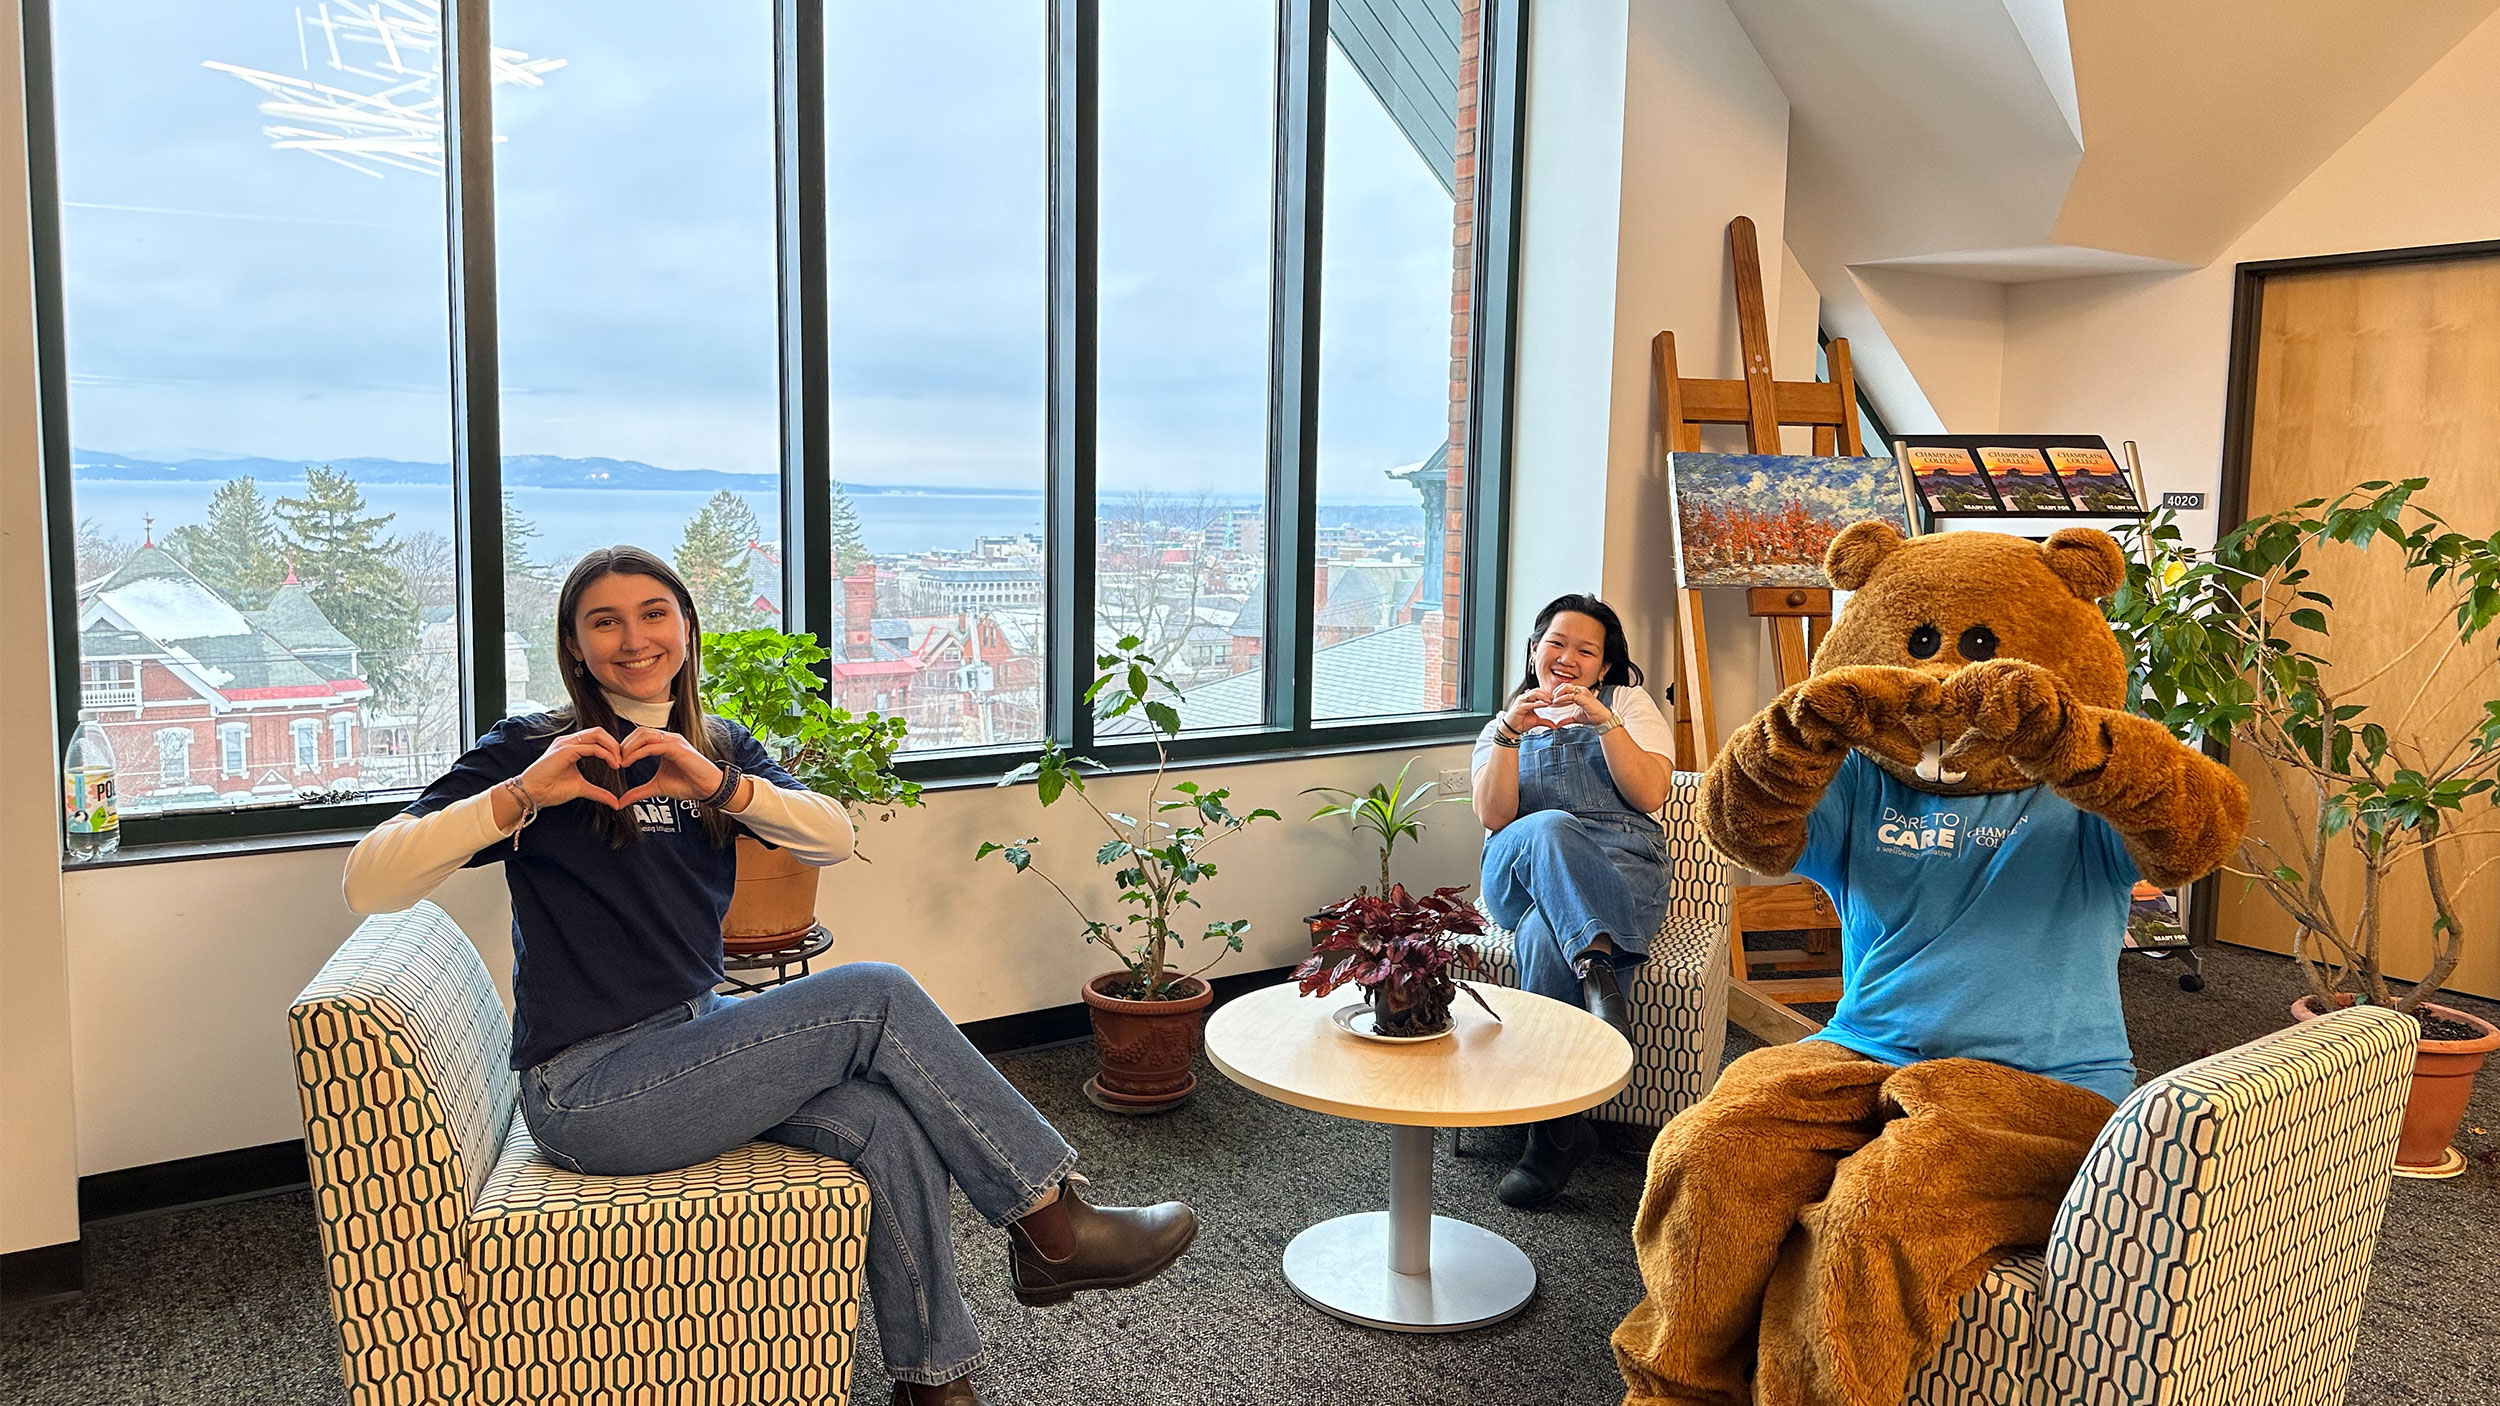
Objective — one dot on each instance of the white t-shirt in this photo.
(1641, 718)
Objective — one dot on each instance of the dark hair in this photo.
(589, 706)
(1619, 666)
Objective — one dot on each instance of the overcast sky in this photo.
(226, 296)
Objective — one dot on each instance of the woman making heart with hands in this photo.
(1568, 780)
(629, 1061)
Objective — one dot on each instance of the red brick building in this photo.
(205, 703)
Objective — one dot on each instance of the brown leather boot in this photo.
(958, 1392)
(1069, 1245)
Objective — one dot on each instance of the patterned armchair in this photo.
(464, 1268)
(1678, 998)
(2216, 1245)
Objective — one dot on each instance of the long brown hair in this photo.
(590, 707)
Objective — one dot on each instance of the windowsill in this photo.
(1462, 728)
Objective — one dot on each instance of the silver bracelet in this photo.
(529, 808)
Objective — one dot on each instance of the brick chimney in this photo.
(859, 608)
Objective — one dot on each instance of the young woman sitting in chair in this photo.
(1569, 780)
(612, 817)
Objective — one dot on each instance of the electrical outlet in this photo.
(1454, 781)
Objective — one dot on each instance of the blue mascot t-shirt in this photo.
(1975, 927)
(601, 937)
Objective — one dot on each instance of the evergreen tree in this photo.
(529, 611)
(344, 563)
(850, 549)
(236, 551)
(712, 557)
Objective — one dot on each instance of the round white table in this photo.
(1407, 1268)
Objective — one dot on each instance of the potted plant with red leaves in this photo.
(1399, 949)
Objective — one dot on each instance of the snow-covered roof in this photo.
(174, 608)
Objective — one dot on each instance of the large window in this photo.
(1395, 372)
(966, 338)
(257, 459)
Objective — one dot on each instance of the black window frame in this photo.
(806, 431)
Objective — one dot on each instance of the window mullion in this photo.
(476, 381)
(1502, 64)
(1075, 148)
(1293, 377)
(807, 587)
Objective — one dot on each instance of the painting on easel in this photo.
(1764, 519)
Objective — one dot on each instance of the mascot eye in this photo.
(1977, 643)
(1925, 641)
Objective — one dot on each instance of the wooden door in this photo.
(2382, 372)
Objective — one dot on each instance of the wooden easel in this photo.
(1796, 618)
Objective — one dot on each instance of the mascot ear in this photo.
(1854, 554)
(2086, 559)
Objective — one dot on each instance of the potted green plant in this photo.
(1400, 950)
(1389, 812)
(2235, 646)
(767, 682)
(1149, 1014)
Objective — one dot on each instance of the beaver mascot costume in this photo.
(1958, 774)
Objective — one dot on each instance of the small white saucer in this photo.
(1356, 1020)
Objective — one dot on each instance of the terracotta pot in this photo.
(1142, 1049)
(774, 904)
(2443, 1078)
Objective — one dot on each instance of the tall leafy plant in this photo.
(1158, 856)
(767, 682)
(2237, 646)
(1389, 813)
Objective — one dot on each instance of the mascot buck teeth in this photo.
(1960, 775)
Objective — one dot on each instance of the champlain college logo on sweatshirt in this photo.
(1941, 833)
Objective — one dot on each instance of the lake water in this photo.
(571, 521)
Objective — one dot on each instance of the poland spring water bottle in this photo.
(87, 792)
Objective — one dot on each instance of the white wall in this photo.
(180, 974)
(2145, 358)
(38, 1178)
(1649, 127)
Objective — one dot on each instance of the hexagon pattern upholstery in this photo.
(1678, 998)
(2216, 1245)
(463, 1268)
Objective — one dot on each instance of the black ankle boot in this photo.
(1601, 993)
(1556, 1148)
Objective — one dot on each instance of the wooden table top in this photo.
(1543, 1059)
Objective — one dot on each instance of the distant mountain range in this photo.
(207, 466)
(519, 471)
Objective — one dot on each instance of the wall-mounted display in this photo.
(1764, 519)
(2017, 475)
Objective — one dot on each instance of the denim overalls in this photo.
(1578, 861)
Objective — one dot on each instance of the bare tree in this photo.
(428, 564)
(100, 555)
(1152, 554)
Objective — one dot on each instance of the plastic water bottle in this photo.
(95, 826)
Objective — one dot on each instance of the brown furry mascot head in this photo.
(1935, 604)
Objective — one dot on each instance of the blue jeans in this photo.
(1558, 880)
(855, 1062)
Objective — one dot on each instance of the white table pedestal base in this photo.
(1406, 1268)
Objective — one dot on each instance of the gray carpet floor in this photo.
(224, 1303)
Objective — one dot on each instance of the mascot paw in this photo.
(2013, 703)
(1847, 707)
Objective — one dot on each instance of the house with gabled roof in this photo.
(204, 702)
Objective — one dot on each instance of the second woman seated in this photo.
(1569, 780)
